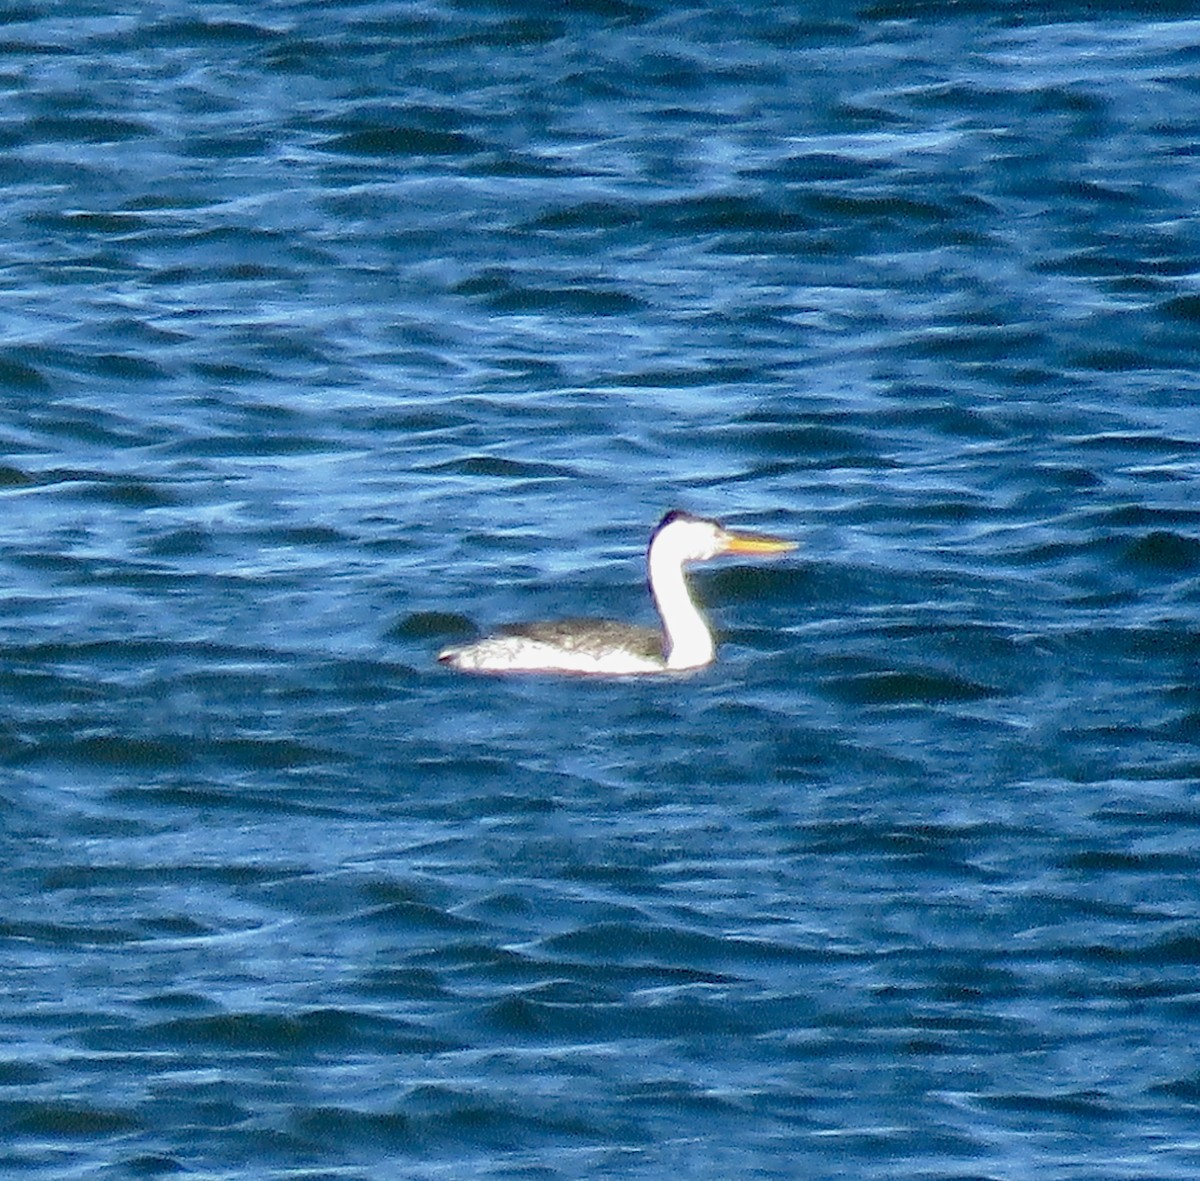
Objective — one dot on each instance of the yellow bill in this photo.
(756, 543)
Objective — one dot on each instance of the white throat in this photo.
(689, 643)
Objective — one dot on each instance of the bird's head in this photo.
(686, 538)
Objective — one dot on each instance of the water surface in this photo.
(332, 332)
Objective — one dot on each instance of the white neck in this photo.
(689, 642)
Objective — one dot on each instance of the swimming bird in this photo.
(603, 647)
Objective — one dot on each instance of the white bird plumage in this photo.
(606, 648)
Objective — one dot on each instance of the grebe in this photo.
(603, 647)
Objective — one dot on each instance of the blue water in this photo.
(332, 332)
